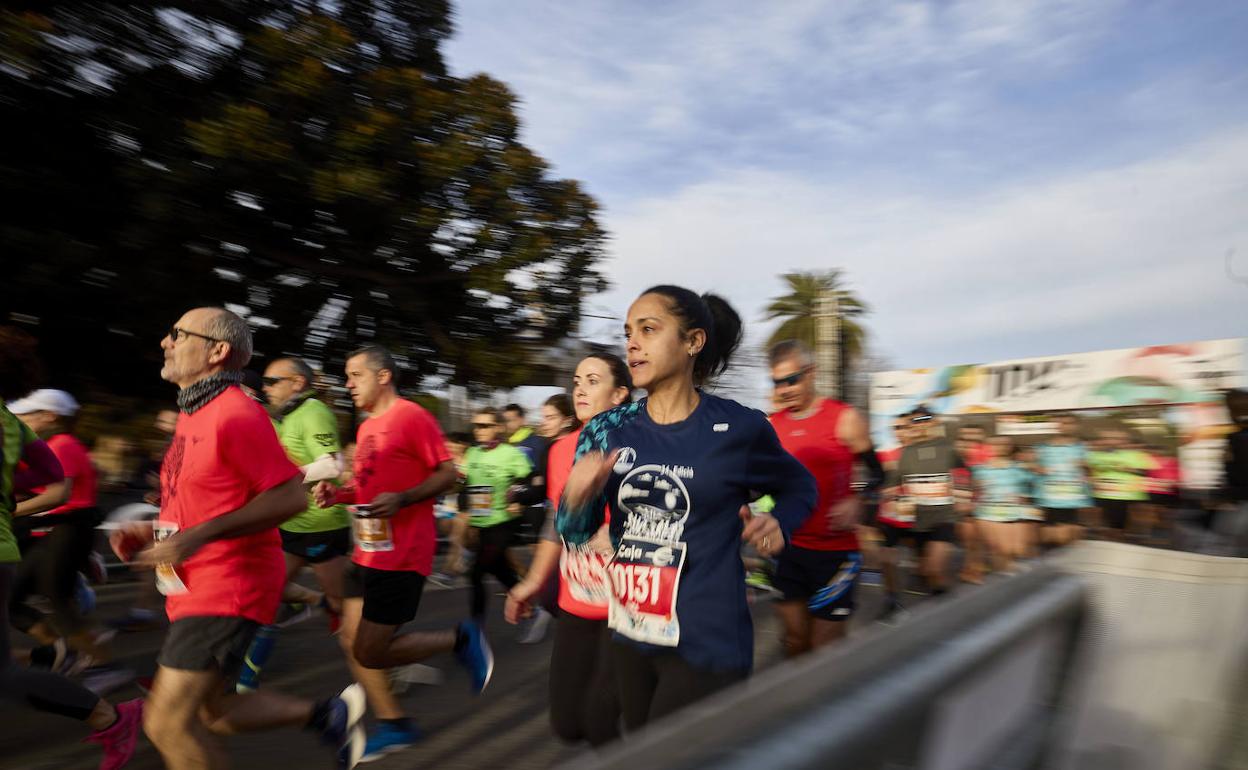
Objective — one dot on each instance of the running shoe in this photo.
(388, 738)
(118, 740)
(474, 654)
(403, 677)
(351, 750)
(105, 678)
(84, 595)
(441, 579)
(342, 725)
(537, 626)
(290, 614)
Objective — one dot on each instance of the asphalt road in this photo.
(506, 727)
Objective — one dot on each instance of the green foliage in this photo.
(799, 306)
(320, 170)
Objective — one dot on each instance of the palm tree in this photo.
(799, 306)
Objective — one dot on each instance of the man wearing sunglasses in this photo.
(818, 573)
(318, 537)
(928, 489)
(226, 485)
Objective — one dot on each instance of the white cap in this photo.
(46, 400)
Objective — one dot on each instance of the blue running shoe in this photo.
(388, 738)
(352, 749)
(85, 595)
(474, 654)
(342, 727)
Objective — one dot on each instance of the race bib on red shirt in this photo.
(584, 572)
(168, 581)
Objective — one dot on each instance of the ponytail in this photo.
(714, 316)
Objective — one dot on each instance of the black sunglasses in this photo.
(483, 425)
(176, 334)
(271, 381)
(920, 418)
(792, 379)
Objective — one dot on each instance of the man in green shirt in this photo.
(318, 537)
(492, 468)
(1119, 480)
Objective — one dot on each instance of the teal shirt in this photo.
(492, 472)
(1002, 492)
(1063, 484)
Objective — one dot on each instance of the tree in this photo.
(799, 306)
(311, 164)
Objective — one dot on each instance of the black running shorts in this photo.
(317, 547)
(825, 580)
(391, 597)
(207, 642)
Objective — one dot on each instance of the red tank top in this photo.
(813, 441)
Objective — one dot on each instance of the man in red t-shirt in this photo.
(55, 544)
(401, 466)
(818, 572)
(225, 486)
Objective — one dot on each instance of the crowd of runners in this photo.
(623, 525)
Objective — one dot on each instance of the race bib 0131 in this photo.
(645, 579)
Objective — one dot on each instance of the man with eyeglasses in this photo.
(401, 466)
(818, 573)
(319, 537)
(926, 487)
(226, 485)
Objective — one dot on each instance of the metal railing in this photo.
(973, 681)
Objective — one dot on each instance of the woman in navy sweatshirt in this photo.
(676, 469)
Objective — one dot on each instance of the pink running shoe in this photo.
(118, 740)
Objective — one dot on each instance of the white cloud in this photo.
(1117, 256)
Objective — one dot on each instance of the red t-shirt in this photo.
(579, 565)
(559, 466)
(76, 463)
(222, 457)
(398, 450)
(815, 444)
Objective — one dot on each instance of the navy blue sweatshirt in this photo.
(675, 494)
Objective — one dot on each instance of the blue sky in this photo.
(998, 179)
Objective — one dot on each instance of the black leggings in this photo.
(584, 704)
(49, 568)
(655, 684)
(41, 690)
(492, 560)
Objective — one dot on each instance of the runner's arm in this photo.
(42, 467)
(265, 511)
(438, 482)
(54, 495)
